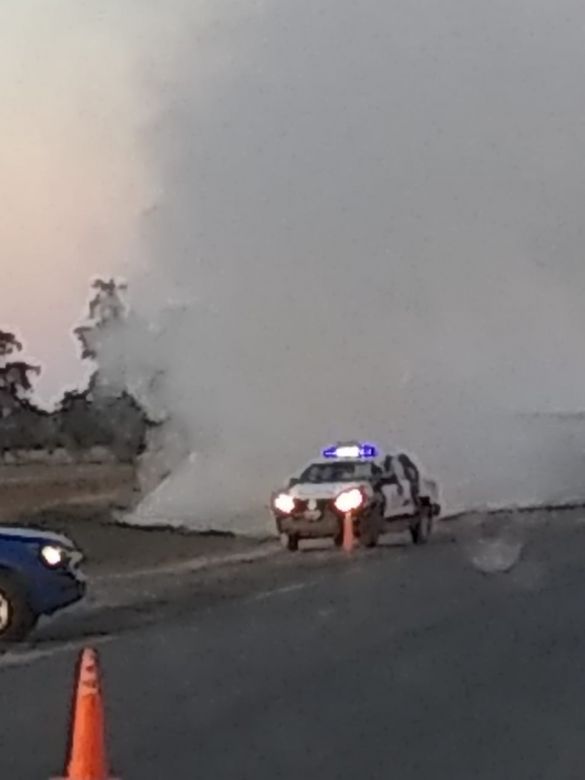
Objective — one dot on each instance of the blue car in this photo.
(39, 575)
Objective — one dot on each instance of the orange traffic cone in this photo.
(87, 755)
(348, 535)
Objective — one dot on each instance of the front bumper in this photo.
(60, 590)
(324, 527)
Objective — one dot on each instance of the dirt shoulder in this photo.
(28, 489)
(82, 501)
(110, 547)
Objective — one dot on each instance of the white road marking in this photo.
(191, 565)
(267, 594)
(25, 657)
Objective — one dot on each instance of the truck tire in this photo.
(370, 527)
(422, 527)
(292, 542)
(16, 617)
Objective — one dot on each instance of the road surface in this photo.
(400, 662)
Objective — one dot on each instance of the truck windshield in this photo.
(337, 472)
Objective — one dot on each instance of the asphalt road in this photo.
(402, 662)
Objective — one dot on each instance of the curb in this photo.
(518, 509)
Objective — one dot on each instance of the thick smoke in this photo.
(370, 220)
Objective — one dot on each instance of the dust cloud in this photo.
(367, 223)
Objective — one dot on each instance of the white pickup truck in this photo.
(382, 492)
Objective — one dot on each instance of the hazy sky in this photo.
(427, 132)
(80, 86)
(72, 179)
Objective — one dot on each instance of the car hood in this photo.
(34, 535)
(323, 489)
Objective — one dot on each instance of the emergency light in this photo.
(353, 451)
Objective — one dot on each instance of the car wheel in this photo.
(292, 542)
(16, 617)
(421, 528)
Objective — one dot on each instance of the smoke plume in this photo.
(368, 223)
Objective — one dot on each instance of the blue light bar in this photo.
(351, 451)
(369, 451)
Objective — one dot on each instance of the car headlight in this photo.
(349, 500)
(52, 555)
(284, 503)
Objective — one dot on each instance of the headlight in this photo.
(52, 555)
(284, 503)
(349, 500)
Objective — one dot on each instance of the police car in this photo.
(39, 575)
(380, 491)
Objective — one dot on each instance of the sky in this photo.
(72, 179)
(370, 212)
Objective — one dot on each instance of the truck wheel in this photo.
(421, 528)
(16, 617)
(292, 542)
(370, 529)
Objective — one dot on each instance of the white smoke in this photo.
(372, 214)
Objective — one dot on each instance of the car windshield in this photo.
(337, 472)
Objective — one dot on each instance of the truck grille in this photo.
(308, 506)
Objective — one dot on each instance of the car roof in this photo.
(332, 461)
(329, 461)
(33, 535)
(378, 460)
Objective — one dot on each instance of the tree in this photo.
(8, 343)
(107, 308)
(101, 336)
(118, 423)
(15, 375)
(105, 413)
(22, 424)
(80, 426)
